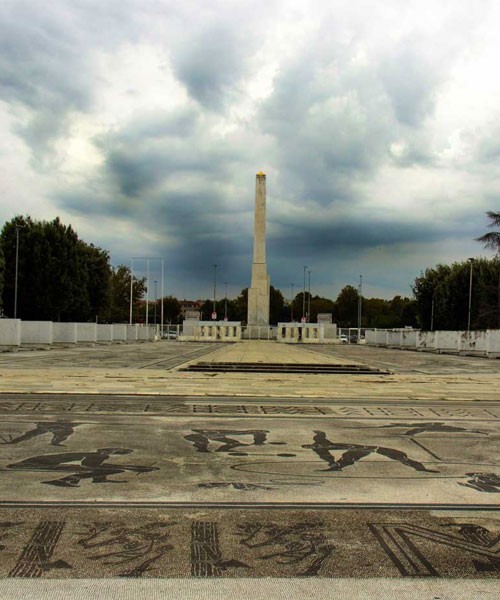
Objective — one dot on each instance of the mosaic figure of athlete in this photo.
(202, 437)
(60, 430)
(433, 426)
(483, 482)
(92, 466)
(354, 452)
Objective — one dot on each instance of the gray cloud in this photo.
(210, 63)
(342, 108)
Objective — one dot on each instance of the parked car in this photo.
(343, 339)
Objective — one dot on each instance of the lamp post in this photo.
(360, 294)
(304, 297)
(432, 313)
(309, 297)
(291, 306)
(225, 301)
(214, 311)
(131, 289)
(471, 260)
(17, 228)
(154, 317)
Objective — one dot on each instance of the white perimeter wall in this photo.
(10, 332)
(14, 332)
(484, 343)
(36, 332)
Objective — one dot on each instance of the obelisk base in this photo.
(258, 296)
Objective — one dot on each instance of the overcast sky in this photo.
(143, 123)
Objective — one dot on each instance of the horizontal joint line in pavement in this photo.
(249, 505)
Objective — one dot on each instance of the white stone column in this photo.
(258, 293)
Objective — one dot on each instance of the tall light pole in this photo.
(225, 301)
(131, 288)
(291, 306)
(304, 297)
(162, 293)
(471, 260)
(432, 313)
(309, 297)
(360, 295)
(156, 283)
(17, 227)
(214, 312)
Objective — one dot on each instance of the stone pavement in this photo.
(117, 464)
(155, 369)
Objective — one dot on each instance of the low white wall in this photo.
(10, 332)
(145, 333)
(306, 333)
(37, 332)
(408, 338)
(86, 332)
(131, 333)
(482, 343)
(119, 332)
(425, 340)
(493, 343)
(394, 338)
(211, 331)
(446, 341)
(15, 332)
(64, 333)
(104, 332)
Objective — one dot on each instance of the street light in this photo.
(156, 283)
(471, 260)
(225, 302)
(309, 297)
(291, 306)
(360, 294)
(17, 228)
(214, 312)
(432, 312)
(304, 297)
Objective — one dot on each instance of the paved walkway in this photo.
(117, 465)
(155, 369)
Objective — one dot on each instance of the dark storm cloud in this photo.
(350, 235)
(210, 62)
(180, 164)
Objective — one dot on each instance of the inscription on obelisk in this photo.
(258, 292)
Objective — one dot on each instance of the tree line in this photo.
(62, 278)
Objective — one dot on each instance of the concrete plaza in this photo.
(118, 463)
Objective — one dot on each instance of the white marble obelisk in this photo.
(258, 292)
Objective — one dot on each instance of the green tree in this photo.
(443, 293)
(491, 240)
(60, 277)
(2, 270)
(171, 310)
(119, 295)
(347, 306)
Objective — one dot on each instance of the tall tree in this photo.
(347, 306)
(491, 240)
(2, 270)
(119, 295)
(442, 294)
(59, 278)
